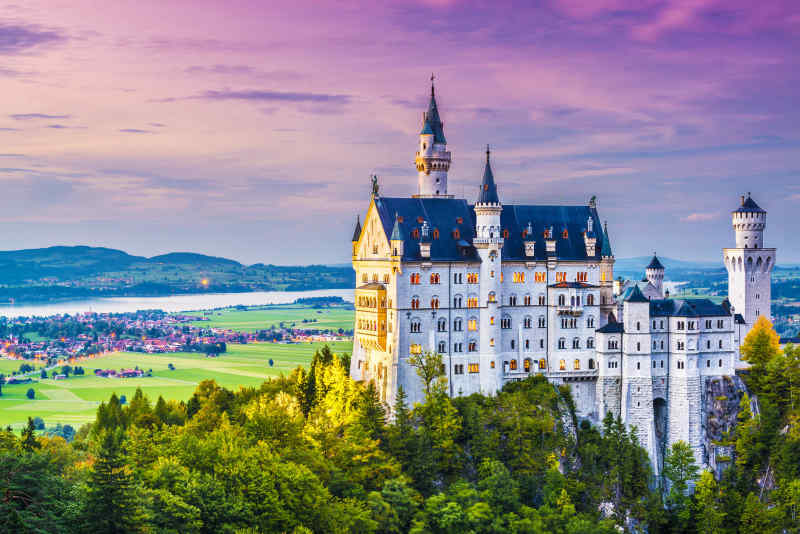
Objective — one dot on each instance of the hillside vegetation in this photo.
(75, 272)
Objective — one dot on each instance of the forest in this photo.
(317, 452)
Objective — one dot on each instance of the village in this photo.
(62, 339)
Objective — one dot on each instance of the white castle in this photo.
(503, 291)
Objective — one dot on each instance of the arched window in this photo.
(576, 343)
(513, 344)
(491, 296)
(542, 363)
(638, 325)
(414, 303)
(576, 364)
(435, 303)
(442, 325)
(562, 300)
(562, 343)
(442, 347)
(542, 321)
(434, 278)
(590, 300)
(526, 364)
(505, 323)
(542, 300)
(591, 363)
(416, 326)
(562, 365)
(527, 322)
(512, 365)
(590, 343)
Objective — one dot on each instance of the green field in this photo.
(74, 401)
(263, 317)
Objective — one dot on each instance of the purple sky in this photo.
(239, 129)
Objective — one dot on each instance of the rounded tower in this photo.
(489, 245)
(433, 159)
(749, 266)
(655, 274)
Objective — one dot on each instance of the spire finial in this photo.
(487, 152)
(432, 79)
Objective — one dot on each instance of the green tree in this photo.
(708, 512)
(680, 470)
(111, 505)
(761, 345)
(429, 368)
(372, 412)
(29, 442)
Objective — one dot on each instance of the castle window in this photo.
(519, 278)
(472, 278)
(415, 348)
(512, 300)
(562, 300)
(491, 296)
(540, 277)
(414, 278)
(442, 325)
(562, 343)
(512, 365)
(638, 365)
(442, 347)
(527, 344)
(364, 277)
(416, 326)
(457, 301)
(562, 365)
(654, 345)
(561, 277)
(581, 277)
(491, 342)
(654, 327)
(491, 320)
(654, 364)
(512, 344)
(457, 325)
(590, 322)
(458, 369)
(472, 302)
(638, 347)
(541, 321)
(505, 234)
(541, 300)
(526, 364)
(576, 343)
(542, 363)
(708, 343)
(565, 234)
(527, 300)
(720, 343)
(576, 365)
(720, 362)
(591, 363)
(662, 365)
(434, 278)
(708, 363)
(491, 364)
(435, 303)
(662, 344)
(456, 234)
(472, 325)
(474, 368)
(590, 344)
(541, 343)
(415, 233)
(472, 347)
(638, 325)
(436, 233)
(505, 323)
(590, 300)
(527, 322)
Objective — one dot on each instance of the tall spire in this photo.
(605, 250)
(432, 123)
(488, 192)
(432, 160)
(357, 231)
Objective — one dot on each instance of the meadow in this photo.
(263, 317)
(74, 401)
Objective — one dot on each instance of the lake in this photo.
(173, 303)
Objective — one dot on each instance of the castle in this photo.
(503, 291)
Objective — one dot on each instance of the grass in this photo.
(74, 401)
(262, 317)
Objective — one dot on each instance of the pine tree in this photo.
(29, 442)
(372, 413)
(110, 506)
(708, 513)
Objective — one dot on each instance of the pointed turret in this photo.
(397, 239)
(605, 251)
(357, 231)
(488, 191)
(433, 159)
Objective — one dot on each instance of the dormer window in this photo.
(415, 233)
(456, 234)
(436, 233)
(420, 219)
(459, 220)
(505, 234)
(565, 234)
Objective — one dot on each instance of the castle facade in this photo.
(503, 291)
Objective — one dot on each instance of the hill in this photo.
(77, 272)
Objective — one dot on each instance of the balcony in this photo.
(370, 322)
(569, 310)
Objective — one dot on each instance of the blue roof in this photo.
(605, 250)
(397, 233)
(749, 206)
(612, 327)
(636, 295)
(433, 124)
(686, 308)
(655, 264)
(443, 214)
(357, 230)
(488, 189)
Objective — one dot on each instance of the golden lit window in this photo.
(472, 302)
(491, 342)
(519, 278)
(436, 233)
(561, 277)
(542, 363)
(505, 234)
(582, 277)
(577, 364)
(540, 277)
(415, 233)
(472, 278)
(456, 234)
(472, 324)
(562, 364)
(491, 364)
(527, 364)
(415, 348)
(474, 368)
(512, 365)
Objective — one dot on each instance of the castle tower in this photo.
(489, 244)
(433, 159)
(655, 274)
(749, 265)
(356, 235)
(637, 380)
(607, 305)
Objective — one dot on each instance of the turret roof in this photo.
(357, 231)
(488, 191)
(636, 295)
(749, 206)
(433, 124)
(605, 250)
(397, 233)
(655, 264)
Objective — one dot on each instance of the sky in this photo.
(249, 129)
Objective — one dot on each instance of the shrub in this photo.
(38, 423)
(30, 394)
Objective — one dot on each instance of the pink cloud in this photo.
(700, 217)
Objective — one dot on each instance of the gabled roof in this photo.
(401, 216)
(636, 295)
(749, 206)
(655, 264)
(687, 308)
(443, 215)
(612, 327)
(488, 190)
(572, 285)
(357, 230)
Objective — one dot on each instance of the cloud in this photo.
(15, 39)
(58, 126)
(220, 69)
(34, 116)
(700, 217)
(12, 155)
(9, 129)
(157, 124)
(275, 96)
(134, 131)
